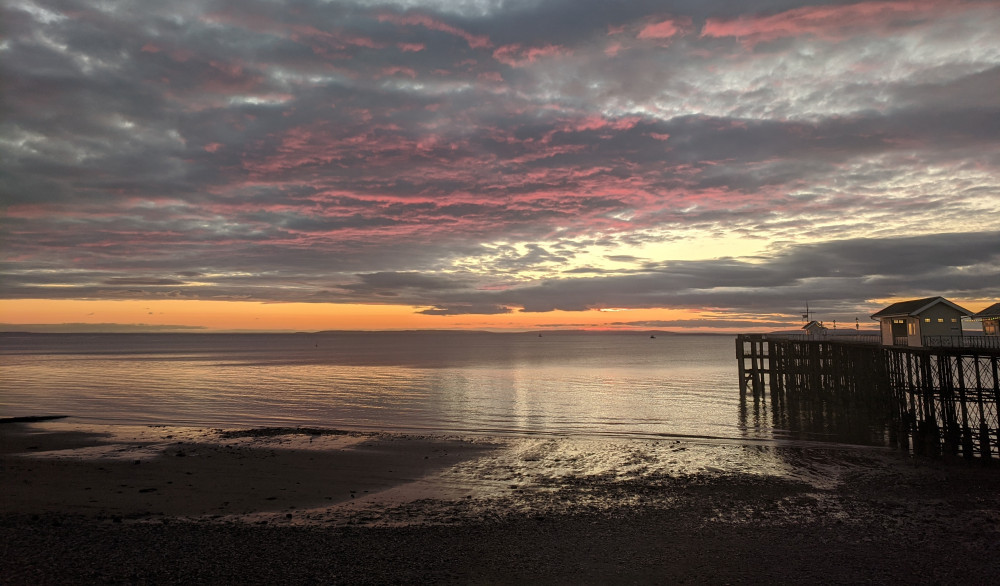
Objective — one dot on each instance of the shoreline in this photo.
(153, 472)
(381, 507)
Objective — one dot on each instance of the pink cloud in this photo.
(305, 148)
(247, 19)
(615, 30)
(659, 136)
(181, 55)
(229, 78)
(474, 41)
(828, 22)
(329, 43)
(491, 76)
(518, 56)
(362, 114)
(594, 122)
(660, 30)
(213, 146)
(396, 69)
(613, 49)
(411, 47)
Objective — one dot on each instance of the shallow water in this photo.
(588, 384)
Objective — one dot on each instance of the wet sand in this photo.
(153, 472)
(85, 504)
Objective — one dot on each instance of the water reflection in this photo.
(817, 412)
(602, 384)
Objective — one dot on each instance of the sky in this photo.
(688, 165)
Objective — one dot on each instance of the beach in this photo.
(166, 504)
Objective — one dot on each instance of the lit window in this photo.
(927, 320)
(940, 320)
(912, 328)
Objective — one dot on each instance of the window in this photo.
(940, 320)
(927, 320)
(912, 328)
(954, 320)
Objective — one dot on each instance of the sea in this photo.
(560, 383)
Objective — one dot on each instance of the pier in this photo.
(931, 400)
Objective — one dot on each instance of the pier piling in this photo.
(933, 401)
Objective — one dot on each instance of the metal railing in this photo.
(984, 342)
(848, 338)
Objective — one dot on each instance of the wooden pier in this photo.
(935, 401)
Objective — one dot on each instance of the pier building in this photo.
(911, 323)
(991, 320)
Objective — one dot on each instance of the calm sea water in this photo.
(561, 383)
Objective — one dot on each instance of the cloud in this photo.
(477, 157)
(846, 276)
(831, 22)
(103, 328)
(431, 23)
(660, 30)
(141, 281)
(467, 309)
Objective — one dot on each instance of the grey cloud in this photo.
(623, 258)
(467, 309)
(969, 92)
(234, 144)
(389, 283)
(843, 275)
(141, 281)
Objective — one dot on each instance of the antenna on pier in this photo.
(807, 315)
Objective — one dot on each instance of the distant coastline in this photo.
(56, 329)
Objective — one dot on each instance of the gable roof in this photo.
(915, 307)
(813, 324)
(991, 311)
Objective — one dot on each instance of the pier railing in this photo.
(940, 400)
(982, 342)
(846, 338)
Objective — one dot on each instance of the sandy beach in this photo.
(155, 504)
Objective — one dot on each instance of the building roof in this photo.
(991, 311)
(813, 324)
(915, 307)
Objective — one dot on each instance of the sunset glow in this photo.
(489, 165)
(193, 316)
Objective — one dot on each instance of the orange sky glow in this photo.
(255, 316)
(227, 316)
